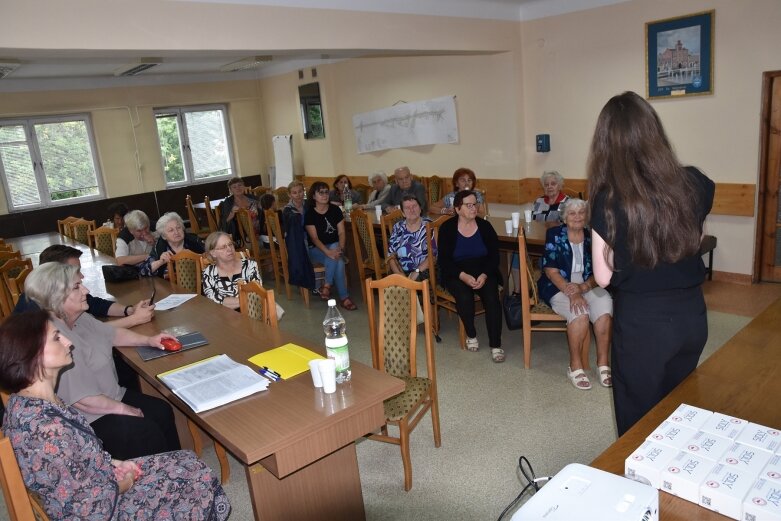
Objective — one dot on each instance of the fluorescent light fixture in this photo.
(245, 63)
(8, 66)
(140, 65)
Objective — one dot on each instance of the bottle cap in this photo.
(332, 302)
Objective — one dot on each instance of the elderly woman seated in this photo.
(342, 184)
(546, 207)
(567, 285)
(130, 424)
(408, 249)
(377, 197)
(173, 239)
(61, 459)
(463, 179)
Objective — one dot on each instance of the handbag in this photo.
(122, 273)
(511, 305)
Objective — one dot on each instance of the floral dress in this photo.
(63, 461)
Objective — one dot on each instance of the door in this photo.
(768, 261)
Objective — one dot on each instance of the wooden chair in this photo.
(364, 190)
(386, 226)
(435, 189)
(16, 285)
(12, 268)
(394, 337)
(184, 270)
(6, 247)
(104, 239)
(258, 191)
(282, 195)
(484, 193)
(211, 216)
(22, 504)
(572, 193)
(8, 255)
(250, 241)
(258, 303)
(279, 255)
(442, 297)
(195, 226)
(535, 310)
(62, 225)
(366, 255)
(80, 229)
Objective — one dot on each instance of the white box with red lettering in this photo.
(760, 437)
(723, 425)
(763, 502)
(746, 459)
(672, 434)
(690, 416)
(725, 489)
(772, 470)
(648, 461)
(684, 474)
(708, 446)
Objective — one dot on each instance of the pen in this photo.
(271, 371)
(267, 374)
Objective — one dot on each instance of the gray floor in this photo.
(490, 414)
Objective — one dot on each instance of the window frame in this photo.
(184, 143)
(33, 146)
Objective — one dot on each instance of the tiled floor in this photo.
(740, 299)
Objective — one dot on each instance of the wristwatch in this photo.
(417, 270)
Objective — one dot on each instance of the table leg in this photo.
(329, 488)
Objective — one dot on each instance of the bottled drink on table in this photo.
(336, 342)
(347, 198)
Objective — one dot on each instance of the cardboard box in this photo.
(763, 502)
(772, 470)
(692, 417)
(746, 459)
(648, 461)
(725, 489)
(760, 437)
(723, 425)
(684, 475)
(708, 446)
(672, 434)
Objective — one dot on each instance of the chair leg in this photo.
(305, 296)
(461, 334)
(435, 419)
(196, 435)
(405, 458)
(527, 345)
(287, 289)
(225, 468)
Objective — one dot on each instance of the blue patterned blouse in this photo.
(558, 254)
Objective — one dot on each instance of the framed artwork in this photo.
(679, 56)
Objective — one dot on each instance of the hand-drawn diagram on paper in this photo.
(418, 123)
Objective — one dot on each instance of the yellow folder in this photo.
(287, 360)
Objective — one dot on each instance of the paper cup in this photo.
(327, 370)
(316, 380)
(508, 226)
(378, 212)
(516, 219)
(527, 216)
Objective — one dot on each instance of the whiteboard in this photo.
(283, 160)
(427, 122)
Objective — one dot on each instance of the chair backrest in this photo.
(484, 193)
(258, 303)
(80, 229)
(9, 270)
(276, 243)
(363, 238)
(259, 191)
(184, 270)
(386, 224)
(62, 225)
(17, 499)
(282, 195)
(569, 192)
(393, 328)
(432, 236)
(211, 218)
(364, 190)
(435, 191)
(195, 226)
(6, 247)
(528, 275)
(7, 255)
(104, 239)
(247, 233)
(16, 285)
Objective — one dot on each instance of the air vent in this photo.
(246, 63)
(7, 67)
(138, 66)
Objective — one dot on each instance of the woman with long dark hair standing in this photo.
(647, 217)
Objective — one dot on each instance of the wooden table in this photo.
(739, 380)
(296, 442)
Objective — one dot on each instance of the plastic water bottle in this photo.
(347, 198)
(336, 342)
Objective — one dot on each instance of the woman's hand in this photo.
(126, 473)
(334, 254)
(413, 275)
(156, 341)
(166, 256)
(578, 304)
(233, 213)
(480, 281)
(572, 289)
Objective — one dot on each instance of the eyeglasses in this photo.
(322, 191)
(229, 246)
(471, 206)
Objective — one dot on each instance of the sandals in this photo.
(348, 304)
(605, 376)
(472, 344)
(497, 355)
(325, 292)
(579, 379)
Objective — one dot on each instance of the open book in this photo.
(213, 382)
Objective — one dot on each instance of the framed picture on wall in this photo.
(679, 56)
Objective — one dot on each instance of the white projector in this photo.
(584, 493)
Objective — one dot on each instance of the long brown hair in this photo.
(632, 166)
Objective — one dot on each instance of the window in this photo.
(194, 144)
(48, 161)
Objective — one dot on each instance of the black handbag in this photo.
(513, 312)
(122, 273)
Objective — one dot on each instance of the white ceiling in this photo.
(64, 69)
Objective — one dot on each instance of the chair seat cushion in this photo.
(543, 308)
(401, 404)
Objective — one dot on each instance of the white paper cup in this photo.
(516, 219)
(316, 380)
(378, 212)
(508, 226)
(527, 216)
(327, 370)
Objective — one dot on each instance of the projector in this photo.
(583, 493)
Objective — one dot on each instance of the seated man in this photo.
(135, 241)
(405, 185)
(98, 307)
